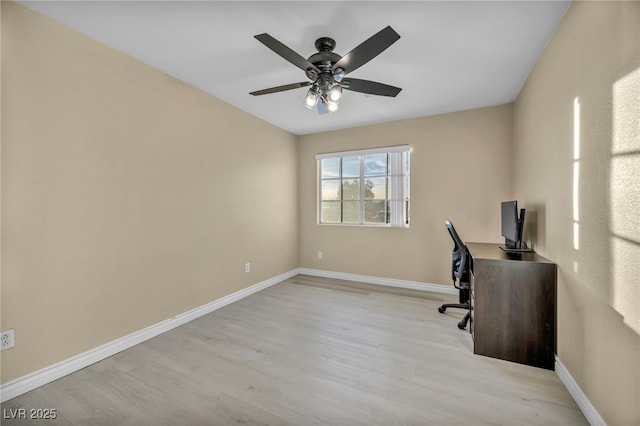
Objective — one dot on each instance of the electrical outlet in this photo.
(6, 340)
(247, 267)
(319, 255)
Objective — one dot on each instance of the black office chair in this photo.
(459, 274)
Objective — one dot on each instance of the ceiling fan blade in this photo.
(280, 88)
(286, 52)
(367, 50)
(370, 87)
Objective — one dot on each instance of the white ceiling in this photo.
(451, 56)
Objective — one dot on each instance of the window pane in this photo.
(350, 167)
(376, 212)
(331, 189)
(375, 188)
(375, 165)
(365, 187)
(351, 212)
(351, 189)
(406, 187)
(331, 168)
(330, 211)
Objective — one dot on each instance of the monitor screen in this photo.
(510, 225)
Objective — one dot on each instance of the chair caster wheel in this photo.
(462, 325)
(441, 309)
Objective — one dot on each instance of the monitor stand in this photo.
(514, 250)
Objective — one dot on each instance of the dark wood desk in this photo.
(513, 300)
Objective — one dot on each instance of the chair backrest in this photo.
(459, 254)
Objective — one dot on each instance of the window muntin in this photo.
(369, 187)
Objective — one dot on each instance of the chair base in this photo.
(462, 324)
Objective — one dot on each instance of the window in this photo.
(368, 187)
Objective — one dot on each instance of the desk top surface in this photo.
(492, 251)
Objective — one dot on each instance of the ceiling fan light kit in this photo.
(326, 69)
(312, 97)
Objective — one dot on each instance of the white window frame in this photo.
(398, 202)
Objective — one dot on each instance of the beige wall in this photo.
(122, 204)
(127, 196)
(459, 171)
(593, 57)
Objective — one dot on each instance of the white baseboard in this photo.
(589, 411)
(413, 285)
(39, 378)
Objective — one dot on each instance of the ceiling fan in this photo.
(326, 70)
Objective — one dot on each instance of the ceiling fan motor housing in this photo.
(325, 58)
(325, 44)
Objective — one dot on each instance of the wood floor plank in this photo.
(310, 351)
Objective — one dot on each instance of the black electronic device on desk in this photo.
(513, 228)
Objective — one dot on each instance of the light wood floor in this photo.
(310, 351)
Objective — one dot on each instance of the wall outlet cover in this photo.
(6, 340)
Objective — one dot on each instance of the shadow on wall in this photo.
(604, 269)
(624, 193)
(535, 227)
(606, 200)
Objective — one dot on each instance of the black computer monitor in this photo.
(512, 226)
